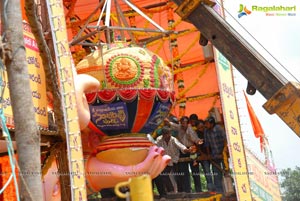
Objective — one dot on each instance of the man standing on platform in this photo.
(172, 148)
(215, 139)
(188, 137)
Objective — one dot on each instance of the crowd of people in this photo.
(186, 141)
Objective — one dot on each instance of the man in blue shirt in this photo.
(215, 139)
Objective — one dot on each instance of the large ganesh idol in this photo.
(123, 94)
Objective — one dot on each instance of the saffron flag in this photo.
(257, 128)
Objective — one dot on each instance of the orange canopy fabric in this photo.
(201, 90)
(200, 80)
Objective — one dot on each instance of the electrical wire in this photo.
(6, 184)
(11, 156)
(8, 140)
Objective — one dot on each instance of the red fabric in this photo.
(119, 146)
(95, 129)
(144, 109)
(165, 95)
(257, 128)
(147, 94)
(128, 94)
(91, 97)
(107, 95)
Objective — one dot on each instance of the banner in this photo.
(113, 116)
(263, 181)
(158, 113)
(37, 82)
(232, 126)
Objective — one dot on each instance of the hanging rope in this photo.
(48, 64)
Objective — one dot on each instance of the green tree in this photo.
(290, 184)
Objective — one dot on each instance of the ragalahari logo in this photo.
(243, 11)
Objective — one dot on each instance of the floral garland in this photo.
(182, 93)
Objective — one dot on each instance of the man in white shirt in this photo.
(188, 137)
(172, 148)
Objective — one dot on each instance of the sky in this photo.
(280, 36)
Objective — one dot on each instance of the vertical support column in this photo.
(232, 126)
(175, 53)
(64, 65)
